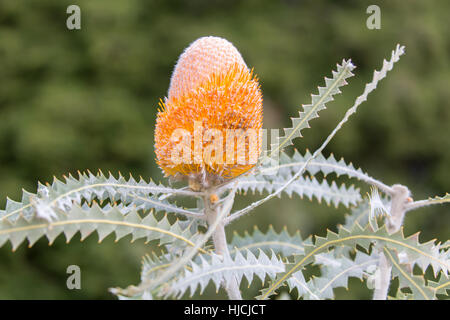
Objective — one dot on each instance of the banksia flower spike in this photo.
(208, 128)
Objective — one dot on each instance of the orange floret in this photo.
(209, 127)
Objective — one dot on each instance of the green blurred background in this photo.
(87, 99)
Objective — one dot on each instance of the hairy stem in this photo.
(399, 199)
(221, 246)
(383, 280)
(423, 203)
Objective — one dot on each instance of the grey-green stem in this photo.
(400, 198)
(221, 246)
(384, 279)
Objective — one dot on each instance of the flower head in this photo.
(208, 128)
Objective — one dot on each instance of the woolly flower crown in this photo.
(208, 128)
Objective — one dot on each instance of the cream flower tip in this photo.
(203, 57)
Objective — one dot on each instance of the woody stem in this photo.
(221, 246)
(399, 200)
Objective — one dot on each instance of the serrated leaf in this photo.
(218, 270)
(358, 216)
(334, 273)
(407, 280)
(303, 186)
(289, 165)
(428, 202)
(441, 286)
(318, 103)
(280, 243)
(104, 221)
(423, 255)
(62, 195)
(438, 199)
(400, 295)
(153, 265)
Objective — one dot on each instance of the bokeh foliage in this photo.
(76, 100)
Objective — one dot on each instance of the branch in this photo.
(427, 202)
(383, 279)
(221, 246)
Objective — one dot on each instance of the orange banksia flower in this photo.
(209, 127)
